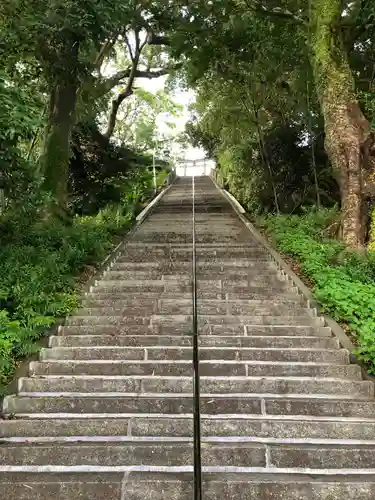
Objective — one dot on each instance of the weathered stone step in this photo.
(206, 272)
(207, 250)
(340, 356)
(255, 385)
(101, 298)
(225, 330)
(217, 246)
(202, 225)
(167, 262)
(203, 341)
(178, 306)
(253, 454)
(96, 300)
(166, 253)
(74, 405)
(201, 237)
(46, 430)
(174, 486)
(186, 321)
(182, 286)
(207, 368)
(250, 275)
(233, 246)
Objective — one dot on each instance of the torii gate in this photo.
(201, 166)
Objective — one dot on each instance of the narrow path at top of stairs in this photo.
(106, 412)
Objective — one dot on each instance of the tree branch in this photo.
(153, 39)
(127, 42)
(106, 47)
(131, 73)
(279, 12)
(116, 103)
(108, 84)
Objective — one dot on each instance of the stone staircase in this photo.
(106, 413)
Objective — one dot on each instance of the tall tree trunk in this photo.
(116, 103)
(56, 148)
(346, 128)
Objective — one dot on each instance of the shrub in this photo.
(344, 281)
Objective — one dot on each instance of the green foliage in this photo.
(288, 170)
(137, 122)
(19, 120)
(344, 281)
(100, 171)
(37, 275)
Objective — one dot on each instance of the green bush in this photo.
(344, 281)
(38, 277)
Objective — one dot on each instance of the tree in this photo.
(138, 68)
(68, 43)
(329, 29)
(138, 121)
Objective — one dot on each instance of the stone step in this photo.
(168, 262)
(46, 430)
(180, 321)
(74, 405)
(98, 299)
(167, 253)
(207, 368)
(181, 286)
(251, 276)
(215, 250)
(245, 454)
(176, 330)
(183, 307)
(179, 486)
(174, 273)
(201, 237)
(206, 281)
(218, 246)
(216, 384)
(316, 355)
(203, 341)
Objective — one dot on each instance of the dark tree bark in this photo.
(56, 150)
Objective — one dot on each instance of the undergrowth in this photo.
(344, 281)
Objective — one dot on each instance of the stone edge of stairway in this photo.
(337, 331)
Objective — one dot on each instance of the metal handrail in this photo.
(196, 388)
